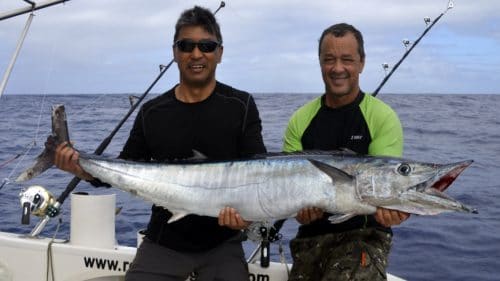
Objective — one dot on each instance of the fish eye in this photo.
(404, 169)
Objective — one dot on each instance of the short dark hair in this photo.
(340, 30)
(198, 16)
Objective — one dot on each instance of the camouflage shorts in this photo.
(354, 255)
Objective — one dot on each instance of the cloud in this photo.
(115, 46)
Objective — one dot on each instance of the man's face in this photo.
(341, 65)
(196, 68)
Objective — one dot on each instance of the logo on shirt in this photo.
(356, 137)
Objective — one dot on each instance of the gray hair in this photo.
(198, 16)
(340, 30)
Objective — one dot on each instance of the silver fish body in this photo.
(272, 186)
(277, 187)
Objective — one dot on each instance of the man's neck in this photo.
(334, 101)
(191, 94)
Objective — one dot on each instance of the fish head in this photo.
(410, 186)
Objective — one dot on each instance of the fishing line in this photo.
(33, 143)
(50, 258)
(21, 155)
(9, 160)
(48, 78)
(39, 119)
(102, 146)
(283, 257)
(33, 6)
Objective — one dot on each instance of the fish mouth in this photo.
(428, 197)
(448, 173)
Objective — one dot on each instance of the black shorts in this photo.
(154, 263)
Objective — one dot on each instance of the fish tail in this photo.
(46, 159)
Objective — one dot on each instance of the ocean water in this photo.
(437, 128)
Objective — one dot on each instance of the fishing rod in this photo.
(53, 210)
(33, 6)
(406, 43)
(273, 234)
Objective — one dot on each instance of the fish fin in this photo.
(331, 171)
(46, 159)
(338, 218)
(42, 163)
(348, 151)
(176, 216)
(198, 155)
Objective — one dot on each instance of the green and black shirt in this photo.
(367, 126)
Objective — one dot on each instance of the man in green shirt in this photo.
(343, 118)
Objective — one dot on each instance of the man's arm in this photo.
(292, 138)
(387, 140)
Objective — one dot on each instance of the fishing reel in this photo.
(35, 200)
(265, 233)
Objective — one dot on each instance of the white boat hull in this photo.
(91, 253)
(23, 258)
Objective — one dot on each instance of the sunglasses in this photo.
(205, 45)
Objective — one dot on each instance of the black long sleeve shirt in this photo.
(226, 125)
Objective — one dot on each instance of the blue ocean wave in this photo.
(438, 128)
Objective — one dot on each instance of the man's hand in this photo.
(66, 159)
(229, 217)
(308, 215)
(389, 218)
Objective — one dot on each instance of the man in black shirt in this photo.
(199, 114)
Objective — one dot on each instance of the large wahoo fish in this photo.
(274, 186)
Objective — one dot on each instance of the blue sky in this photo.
(115, 46)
